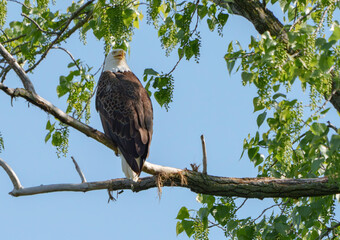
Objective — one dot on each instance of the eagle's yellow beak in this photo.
(119, 55)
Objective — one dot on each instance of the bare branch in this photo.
(82, 177)
(18, 69)
(204, 155)
(11, 174)
(65, 50)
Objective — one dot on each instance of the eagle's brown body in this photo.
(127, 116)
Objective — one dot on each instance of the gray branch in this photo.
(81, 174)
(11, 174)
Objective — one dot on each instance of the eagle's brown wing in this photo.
(126, 113)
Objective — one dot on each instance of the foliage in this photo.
(2, 145)
(162, 84)
(292, 139)
(293, 143)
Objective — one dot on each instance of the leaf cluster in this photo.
(59, 137)
(162, 86)
(2, 145)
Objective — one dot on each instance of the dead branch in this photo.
(11, 174)
(204, 155)
(81, 175)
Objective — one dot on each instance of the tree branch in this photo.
(18, 69)
(81, 175)
(11, 174)
(36, 24)
(196, 182)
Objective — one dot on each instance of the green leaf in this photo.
(276, 87)
(202, 11)
(150, 71)
(232, 224)
(318, 128)
(56, 139)
(188, 227)
(257, 104)
(179, 228)
(211, 24)
(206, 199)
(222, 18)
(252, 152)
(281, 228)
(247, 77)
(325, 111)
(336, 33)
(48, 125)
(335, 143)
(245, 233)
(221, 213)
(183, 213)
(260, 119)
(203, 213)
(326, 62)
(277, 95)
(48, 136)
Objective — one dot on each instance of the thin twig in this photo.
(192, 32)
(59, 35)
(13, 39)
(4, 72)
(216, 225)
(22, 4)
(4, 33)
(81, 175)
(241, 204)
(322, 19)
(87, 103)
(332, 126)
(204, 155)
(275, 205)
(15, 180)
(303, 17)
(65, 50)
(328, 230)
(37, 25)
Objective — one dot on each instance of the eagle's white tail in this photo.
(129, 173)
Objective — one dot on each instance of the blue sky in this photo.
(207, 100)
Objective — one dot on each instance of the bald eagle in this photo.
(126, 112)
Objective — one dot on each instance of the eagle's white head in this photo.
(115, 61)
